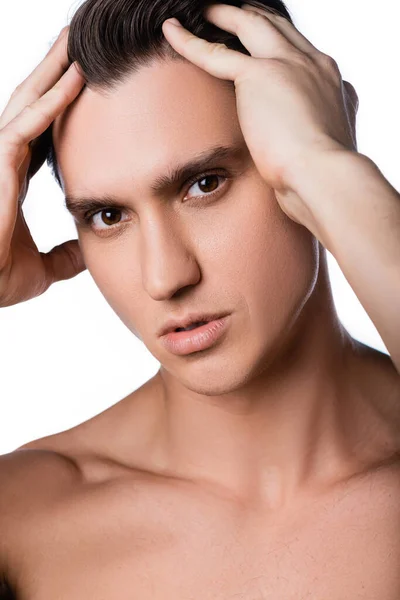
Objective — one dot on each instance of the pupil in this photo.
(108, 212)
(208, 177)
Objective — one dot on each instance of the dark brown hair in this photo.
(111, 39)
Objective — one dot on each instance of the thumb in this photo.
(64, 261)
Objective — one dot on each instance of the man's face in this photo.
(220, 244)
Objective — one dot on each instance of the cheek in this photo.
(270, 261)
(288, 273)
(111, 270)
(256, 241)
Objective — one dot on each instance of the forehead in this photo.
(159, 116)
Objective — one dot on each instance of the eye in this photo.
(110, 217)
(208, 180)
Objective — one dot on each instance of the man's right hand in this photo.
(25, 272)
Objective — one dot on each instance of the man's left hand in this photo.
(291, 100)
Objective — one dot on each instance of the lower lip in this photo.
(201, 338)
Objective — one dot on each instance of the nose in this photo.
(168, 258)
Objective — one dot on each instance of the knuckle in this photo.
(34, 92)
(197, 43)
(60, 93)
(55, 94)
(217, 47)
(17, 91)
(28, 108)
(252, 17)
(37, 109)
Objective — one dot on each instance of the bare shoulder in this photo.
(31, 478)
(30, 474)
(31, 465)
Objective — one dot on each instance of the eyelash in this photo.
(88, 217)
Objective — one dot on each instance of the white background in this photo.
(66, 356)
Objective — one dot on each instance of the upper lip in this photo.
(173, 324)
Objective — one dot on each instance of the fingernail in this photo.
(174, 22)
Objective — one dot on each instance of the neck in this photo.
(296, 423)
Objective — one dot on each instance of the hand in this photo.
(24, 271)
(291, 99)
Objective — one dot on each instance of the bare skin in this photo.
(267, 468)
(79, 521)
(24, 271)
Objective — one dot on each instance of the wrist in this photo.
(323, 180)
(310, 161)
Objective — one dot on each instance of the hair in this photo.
(111, 39)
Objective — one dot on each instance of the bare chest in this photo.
(161, 544)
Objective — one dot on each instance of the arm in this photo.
(291, 102)
(356, 214)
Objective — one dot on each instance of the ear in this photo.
(352, 104)
(353, 97)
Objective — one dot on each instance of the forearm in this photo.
(356, 213)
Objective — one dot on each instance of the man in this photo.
(262, 459)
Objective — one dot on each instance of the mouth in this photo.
(193, 326)
(195, 337)
(191, 322)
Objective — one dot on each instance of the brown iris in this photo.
(108, 212)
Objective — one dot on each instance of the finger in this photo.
(215, 58)
(9, 189)
(256, 32)
(63, 262)
(35, 118)
(42, 78)
(286, 28)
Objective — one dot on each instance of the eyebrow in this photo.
(178, 174)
